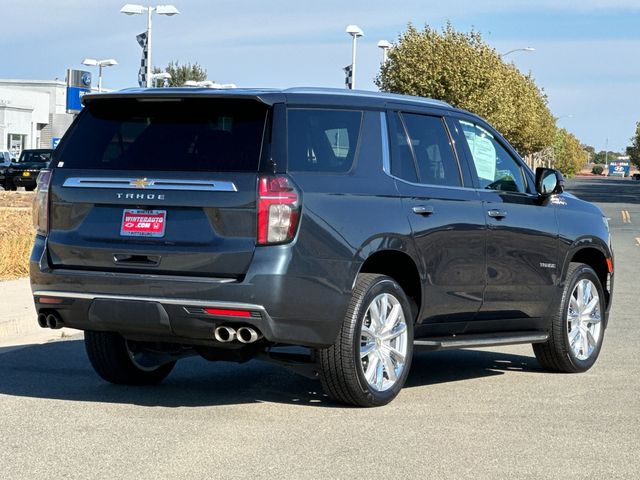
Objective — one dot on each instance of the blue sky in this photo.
(585, 59)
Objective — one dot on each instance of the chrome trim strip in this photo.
(384, 130)
(150, 184)
(164, 300)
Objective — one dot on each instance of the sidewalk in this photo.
(18, 324)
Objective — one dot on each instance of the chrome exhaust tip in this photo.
(53, 321)
(224, 334)
(248, 335)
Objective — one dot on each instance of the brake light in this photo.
(278, 209)
(41, 203)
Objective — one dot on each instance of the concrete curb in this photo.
(18, 324)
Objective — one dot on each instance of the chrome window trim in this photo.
(384, 131)
(150, 184)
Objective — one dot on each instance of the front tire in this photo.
(369, 362)
(118, 361)
(577, 327)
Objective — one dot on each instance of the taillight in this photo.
(41, 203)
(278, 209)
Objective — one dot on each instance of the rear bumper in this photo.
(287, 306)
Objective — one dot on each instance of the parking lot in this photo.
(474, 414)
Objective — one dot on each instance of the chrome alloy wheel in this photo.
(383, 342)
(584, 319)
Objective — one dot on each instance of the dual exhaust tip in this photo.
(226, 334)
(50, 320)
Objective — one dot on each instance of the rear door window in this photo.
(322, 140)
(173, 134)
(421, 151)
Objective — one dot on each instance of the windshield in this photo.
(193, 134)
(35, 156)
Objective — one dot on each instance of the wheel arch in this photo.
(596, 256)
(402, 268)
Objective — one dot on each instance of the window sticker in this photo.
(482, 150)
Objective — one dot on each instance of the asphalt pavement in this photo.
(469, 414)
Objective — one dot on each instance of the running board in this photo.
(479, 340)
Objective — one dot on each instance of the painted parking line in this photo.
(626, 216)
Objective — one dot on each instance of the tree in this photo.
(603, 156)
(569, 155)
(633, 150)
(180, 74)
(462, 70)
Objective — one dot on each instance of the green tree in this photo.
(633, 150)
(569, 155)
(461, 69)
(603, 156)
(180, 74)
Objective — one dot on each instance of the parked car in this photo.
(24, 172)
(353, 226)
(5, 162)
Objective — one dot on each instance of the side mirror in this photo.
(549, 181)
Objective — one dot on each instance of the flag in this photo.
(348, 76)
(142, 73)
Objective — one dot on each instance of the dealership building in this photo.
(34, 113)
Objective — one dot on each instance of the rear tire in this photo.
(577, 327)
(369, 362)
(113, 358)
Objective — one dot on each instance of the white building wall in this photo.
(34, 108)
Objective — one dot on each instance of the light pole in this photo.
(134, 9)
(384, 45)
(92, 62)
(525, 49)
(355, 31)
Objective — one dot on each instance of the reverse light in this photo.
(278, 209)
(41, 203)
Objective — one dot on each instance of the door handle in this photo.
(423, 210)
(496, 213)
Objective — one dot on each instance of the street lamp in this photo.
(92, 62)
(384, 45)
(525, 49)
(355, 31)
(133, 9)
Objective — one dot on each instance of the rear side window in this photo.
(182, 134)
(421, 151)
(322, 140)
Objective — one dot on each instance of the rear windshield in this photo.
(185, 134)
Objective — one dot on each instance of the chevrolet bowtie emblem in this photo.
(140, 183)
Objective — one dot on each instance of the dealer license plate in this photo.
(143, 223)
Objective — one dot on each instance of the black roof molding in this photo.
(297, 95)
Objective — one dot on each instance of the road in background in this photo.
(472, 414)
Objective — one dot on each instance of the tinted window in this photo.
(402, 160)
(432, 150)
(188, 134)
(321, 140)
(496, 169)
(35, 156)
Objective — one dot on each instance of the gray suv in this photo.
(332, 232)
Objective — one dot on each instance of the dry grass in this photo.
(16, 234)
